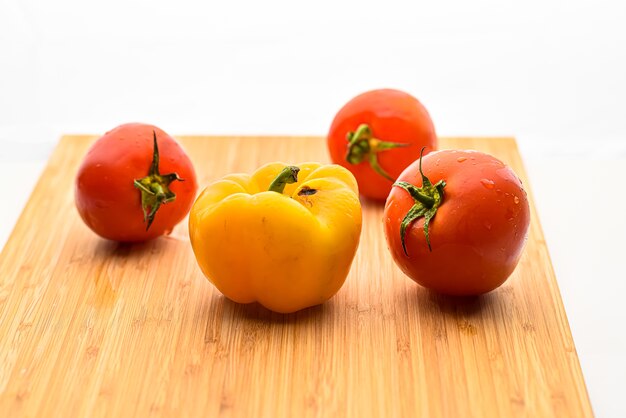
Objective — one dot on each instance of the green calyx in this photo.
(288, 175)
(154, 188)
(363, 146)
(427, 198)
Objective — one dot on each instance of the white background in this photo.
(552, 73)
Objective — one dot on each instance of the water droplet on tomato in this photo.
(461, 159)
(487, 183)
(516, 200)
(487, 225)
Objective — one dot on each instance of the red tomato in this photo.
(479, 218)
(378, 134)
(135, 183)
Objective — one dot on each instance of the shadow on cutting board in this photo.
(256, 312)
(468, 306)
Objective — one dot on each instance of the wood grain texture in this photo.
(92, 328)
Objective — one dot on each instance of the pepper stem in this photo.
(154, 188)
(362, 145)
(427, 199)
(288, 175)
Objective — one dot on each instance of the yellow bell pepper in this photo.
(284, 236)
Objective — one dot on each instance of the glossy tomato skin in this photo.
(478, 233)
(393, 116)
(105, 196)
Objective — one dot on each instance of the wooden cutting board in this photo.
(93, 328)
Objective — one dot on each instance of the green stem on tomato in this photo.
(154, 188)
(362, 145)
(427, 199)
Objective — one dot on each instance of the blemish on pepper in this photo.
(306, 191)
